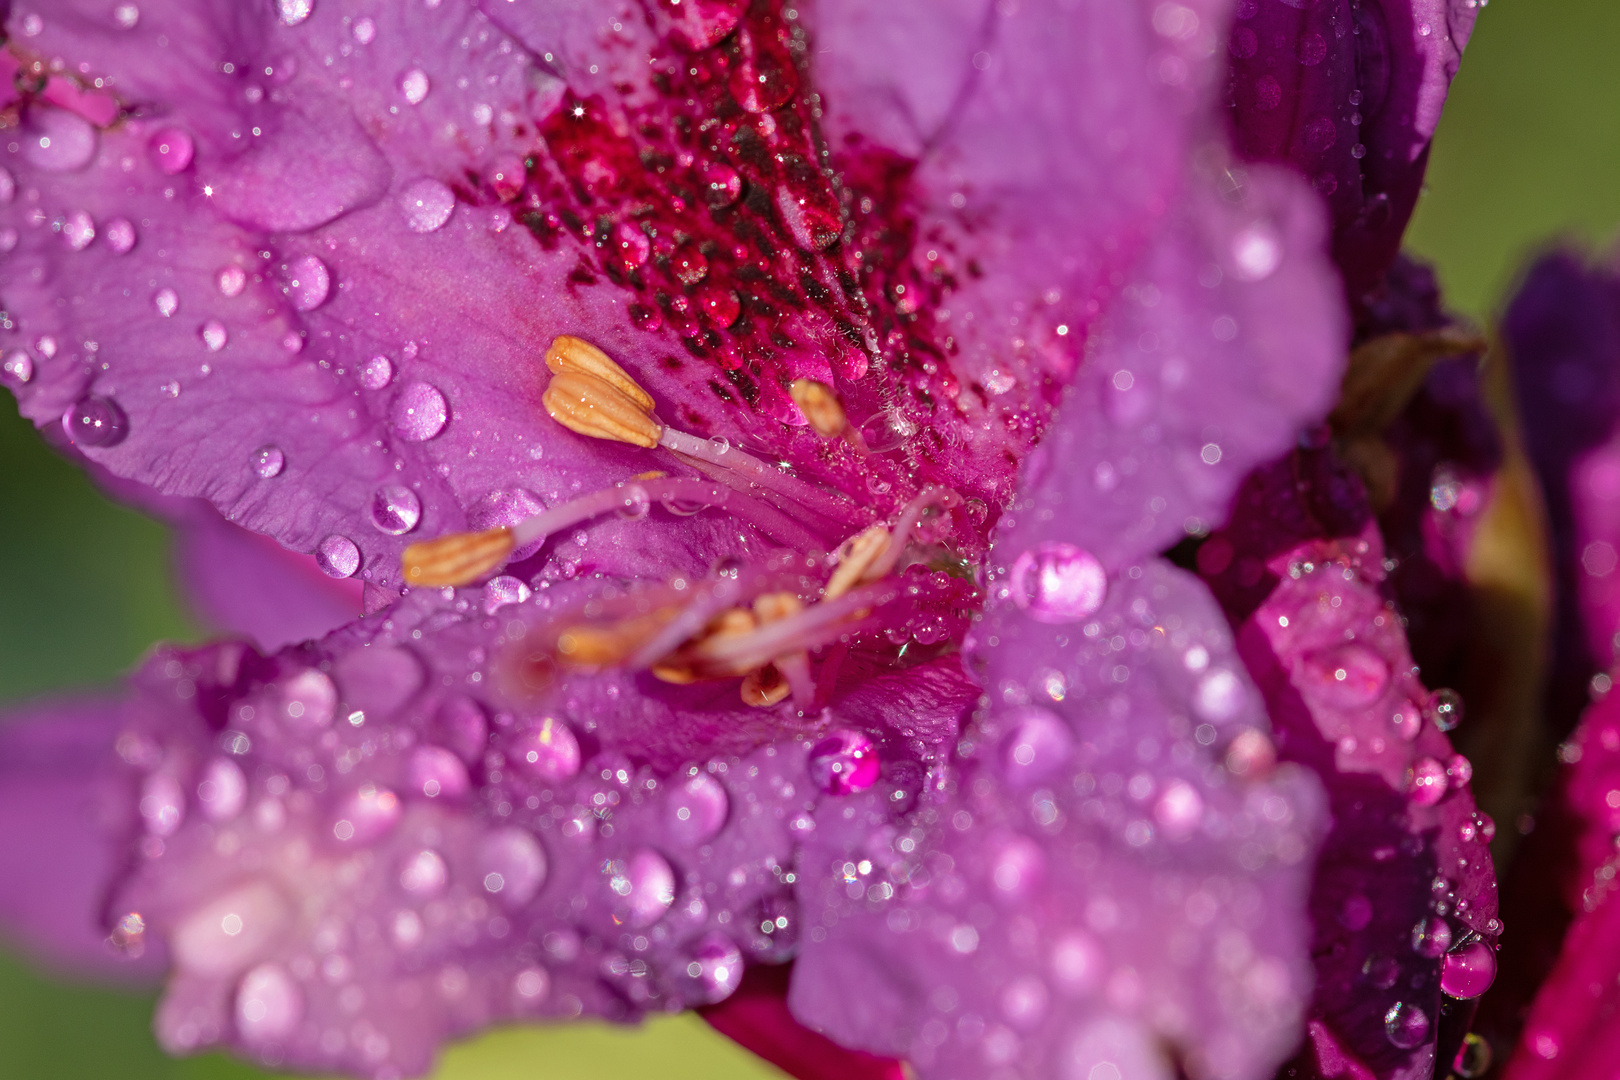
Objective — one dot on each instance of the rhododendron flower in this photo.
(755, 428)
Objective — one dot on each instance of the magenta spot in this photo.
(1267, 94)
(172, 149)
(1468, 970)
(843, 762)
(546, 750)
(1319, 134)
(1426, 784)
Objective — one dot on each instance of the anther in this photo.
(764, 687)
(457, 559)
(820, 406)
(855, 557)
(599, 646)
(593, 406)
(569, 353)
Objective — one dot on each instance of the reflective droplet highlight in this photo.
(843, 762)
(338, 556)
(377, 373)
(512, 865)
(120, 234)
(645, 886)
(697, 810)
(395, 509)
(268, 461)
(715, 968)
(269, 1005)
(1468, 971)
(420, 412)
(1406, 1025)
(547, 750)
(95, 421)
(1058, 583)
(17, 368)
(308, 283)
(427, 204)
(172, 150)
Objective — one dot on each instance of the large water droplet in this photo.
(269, 1005)
(697, 810)
(268, 461)
(631, 245)
(1426, 783)
(715, 968)
(1444, 709)
(438, 774)
(843, 762)
(1473, 1057)
(17, 367)
(338, 556)
(763, 77)
(8, 186)
(162, 805)
(231, 280)
(167, 302)
(1469, 970)
(172, 149)
(367, 815)
(427, 204)
(460, 725)
(308, 283)
(721, 184)
(56, 140)
(886, 430)
(645, 887)
(95, 421)
(309, 699)
(547, 750)
(420, 412)
(78, 230)
(414, 85)
(120, 234)
(1431, 936)
(377, 373)
(1406, 1025)
(512, 865)
(1058, 583)
(1350, 676)
(395, 509)
(214, 335)
(222, 791)
(688, 264)
(1039, 743)
(1256, 252)
(424, 873)
(227, 934)
(293, 12)
(502, 591)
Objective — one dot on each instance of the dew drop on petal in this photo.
(367, 815)
(1406, 1025)
(308, 283)
(120, 234)
(231, 280)
(95, 421)
(1473, 1058)
(414, 85)
(56, 140)
(721, 184)
(715, 967)
(309, 699)
(438, 774)
(697, 810)
(420, 412)
(171, 149)
(1256, 252)
(17, 367)
(886, 430)
(843, 762)
(1444, 709)
(8, 186)
(167, 302)
(162, 804)
(512, 865)
(268, 461)
(222, 791)
(1427, 781)
(646, 885)
(1058, 583)
(1431, 937)
(78, 230)
(224, 935)
(427, 204)
(1350, 676)
(269, 1005)
(395, 509)
(214, 335)
(1038, 743)
(547, 750)
(424, 873)
(293, 12)
(502, 591)
(377, 373)
(365, 30)
(531, 984)
(1468, 971)
(9, 239)
(337, 556)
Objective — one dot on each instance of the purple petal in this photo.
(1349, 94)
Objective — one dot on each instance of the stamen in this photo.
(569, 353)
(764, 687)
(599, 646)
(591, 406)
(457, 559)
(635, 498)
(933, 496)
(855, 557)
(816, 499)
(812, 627)
(820, 406)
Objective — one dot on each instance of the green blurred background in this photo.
(1529, 151)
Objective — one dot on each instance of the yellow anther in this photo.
(597, 646)
(457, 559)
(651, 474)
(591, 406)
(730, 623)
(569, 353)
(674, 673)
(819, 405)
(855, 557)
(764, 687)
(769, 607)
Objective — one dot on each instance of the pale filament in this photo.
(818, 500)
(632, 497)
(814, 626)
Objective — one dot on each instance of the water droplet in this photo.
(1038, 744)
(1426, 782)
(646, 317)
(95, 421)
(547, 750)
(365, 31)
(367, 815)
(719, 304)
(1473, 1057)
(214, 335)
(504, 590)
(843, 762)
(293, 12)
(1077, 962)
(395, 509)
(172, 149)
(269, 1005)
(1444, 709)
(636, 504)
(1179, 811)
(56, 140)
(225, 935)
(1469, 970)
(531, 984)
(17, 368)
(167, 302)
(268, 461)
(309, 699)
(438, 774)
(1058, 583)
(1431, 936)
(8, 186)
(9, 239)
(715, 968)
(1460, 770)
(773, 928)
(886, 430)
(644, 886)
(721, 184)
(377, 373)
(308, 283)
(512, 865)
(78, 230)
(763, 77)
(697, 810)
(1347, 677)
(414, 85)
(338, 556)
(688, 264)
(231, 280)
(222, 790)
(427, 204)
(424, 873)
(420, 412)
(1406, 1025)
(631, 245)
(162, 805)
(120, 234)
(1256, 252)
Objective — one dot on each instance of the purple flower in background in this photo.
(755, 428)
